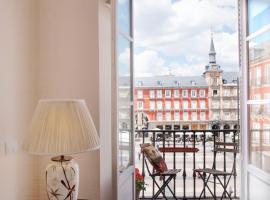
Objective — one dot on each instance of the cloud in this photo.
(179, 32)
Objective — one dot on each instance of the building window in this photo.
(194, 116)
(215, 92)
(215, 104)
(267, 74)
(176, 105)
(140, 105)
(194, 104)
(202, 104)
(216, 116)
(184, 93)
(159, 105)
(168, 105)
(226, 104)
(159, 116)
(202, 93)
(226, 115)
(176, 116)
(168, 116)
(258, 76)
(168, 93)
(140, 94)
(226, 92)
(185, 104)
(266, 109)
(202, 116)
(266, 134)
(185, 116)
(159, 93)
(152, 93)
(176, 93)
(193, 93)
(152, 105)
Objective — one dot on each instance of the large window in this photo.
(124, 46)
(258, 42)
(185, 104)
(168, 105)
(168, 93)
(176, 105)
(159, 105)
(152, 94)
(159, 93)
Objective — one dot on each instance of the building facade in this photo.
(194, 102)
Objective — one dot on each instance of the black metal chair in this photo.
(206, 173)
(166, 176)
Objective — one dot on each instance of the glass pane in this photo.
(258, 14)
(124, 98)
(123, 17)
(259, 101)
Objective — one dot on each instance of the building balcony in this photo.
(194, 150)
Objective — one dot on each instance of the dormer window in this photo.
(159, 83)
(193, 83)
(140, 83)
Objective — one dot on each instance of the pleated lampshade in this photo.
(61, 127)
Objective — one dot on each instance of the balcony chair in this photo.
(206, 173)
(159, 169)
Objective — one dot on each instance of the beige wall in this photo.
(17, 86)
(68, 68)
(50, 49)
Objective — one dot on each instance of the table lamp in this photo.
(60, 128)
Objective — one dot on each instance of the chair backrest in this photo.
(154, 157)
(230, 147)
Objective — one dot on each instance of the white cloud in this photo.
(182, 29)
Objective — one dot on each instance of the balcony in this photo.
(187, 184)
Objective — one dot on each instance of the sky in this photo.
(173, 36)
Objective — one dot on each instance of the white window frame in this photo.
(193, 93)
(185, 104)
(159, 105)
(168, 105)
(176, 105)
(185, 93)
(202, 116)
(152, 94)
(185, 116)
(202, 102)
(140, 105)
(140, 94)
(152, 105)
(176, 93)
(194, 104)
(168, 116)
(202, 93)
(167, 93)
(176, 116)
(159, 116)
(159, 93)
(194, 116)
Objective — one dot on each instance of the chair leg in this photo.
(224, 188)
(206, 185)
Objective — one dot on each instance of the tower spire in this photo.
(212, 51)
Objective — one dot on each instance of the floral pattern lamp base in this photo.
(62, 178)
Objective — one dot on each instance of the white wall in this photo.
(17, 86)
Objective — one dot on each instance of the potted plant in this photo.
(139, 183)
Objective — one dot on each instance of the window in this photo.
(193, 93)
(176, 93)
(226, 115)
(140, 105)
(152, 93)
(167, 93)
(168, 116)
(159, 116)
(267, 74)
(226, 104)
(159, 93)
(184, 93)
(202, 93)
(168, 105)
(216, 116)
(159, 105)
(139, 94)
(202, 115)
(176, 116)
(214, 81)
(226, 92)
(176, 105)
(193, 104)
(185, 116)
(194, 116)
(258, 76)
(267, 105)
(266, 134)
(152, 105)
(215, 92)
(215, 104)
(202, 104)
(185, 104)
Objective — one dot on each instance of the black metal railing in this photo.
(196, 151)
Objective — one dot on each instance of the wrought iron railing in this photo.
(197, 152)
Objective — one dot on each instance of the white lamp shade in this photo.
(61, 127)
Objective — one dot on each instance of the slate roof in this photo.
(180, 81)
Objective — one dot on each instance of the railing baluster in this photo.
(214, 133)
(224, 159)
(154, 144)
(174, 163)
(194, 165)
(234, 160)
(143, 172)
(184, 170)
(204, 165)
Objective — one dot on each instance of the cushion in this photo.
(154, 157)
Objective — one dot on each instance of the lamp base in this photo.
(62, 178)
